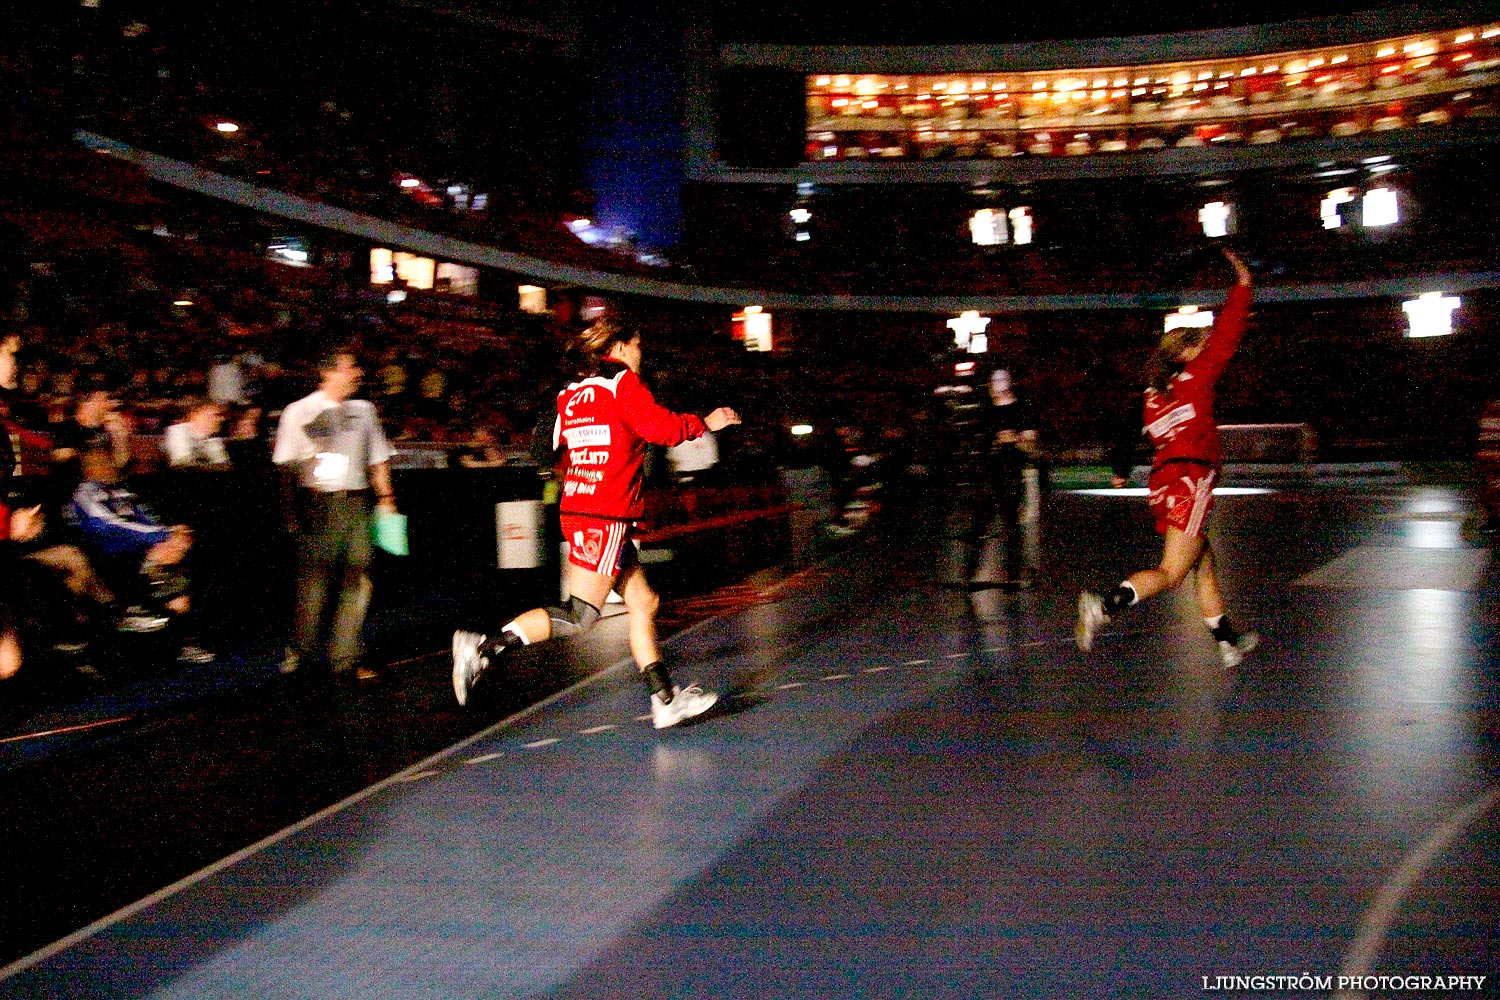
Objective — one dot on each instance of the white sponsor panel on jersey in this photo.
(590, 435)
(1171, 420)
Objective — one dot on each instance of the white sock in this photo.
(1213, 622)
(515, 631)
(1134, 597)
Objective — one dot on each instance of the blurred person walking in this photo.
(335, 469)
(605, 419)
(194, 441)
(1179, 420)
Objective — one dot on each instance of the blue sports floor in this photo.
(915, 791)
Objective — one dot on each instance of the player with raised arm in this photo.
(1179, 420)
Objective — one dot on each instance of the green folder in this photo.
(389, 532)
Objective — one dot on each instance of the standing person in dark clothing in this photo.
(1179, 420)
(993, 438)
(333, 455)
(605, 419)
(1010, 425)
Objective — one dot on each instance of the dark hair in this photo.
(1166, 360)
(595, 341)
(328, 360)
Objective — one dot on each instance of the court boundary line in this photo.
(1383, 909)
(90, 930)
(40, 955)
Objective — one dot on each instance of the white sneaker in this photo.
(193, 654)
(467, 663)
(686, 703)
(1091, 617)
(1231, 654)
(139, 619)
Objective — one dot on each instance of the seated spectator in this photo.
(39, 610)
(97, 423)
(141, 557)
(16, 526)
(194, 441)
(482, 450)
(247, 447)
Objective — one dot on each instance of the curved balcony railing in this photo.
(1426, 80)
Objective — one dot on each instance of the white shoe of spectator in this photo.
(139, 619)
(195, 655)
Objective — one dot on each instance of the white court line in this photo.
(955, 656)
(484, 758)
(594, 730)
(229, 861)
(417, 776)
(876, 670)
(1382, 912)
(789, 685)
(537, 744)
(838, 677)
(915, 663)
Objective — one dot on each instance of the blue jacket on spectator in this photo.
(113, 520)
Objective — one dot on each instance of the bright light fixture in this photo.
(1190, 316)
(227, 127)
(965, 326)
(987, 227)
(1214, 217)
(1430, 314)
(532, 298)
(1020, 225)
(1329, 209)
(1380, 208)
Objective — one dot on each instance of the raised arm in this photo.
(1229, 325)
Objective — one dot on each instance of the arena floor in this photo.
(914, 791)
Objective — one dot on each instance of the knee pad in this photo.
(577, 616)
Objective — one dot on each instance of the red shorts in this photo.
(1181, 497)
(597, 545)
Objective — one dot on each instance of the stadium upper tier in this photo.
(1169, 103)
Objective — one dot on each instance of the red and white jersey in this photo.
(1180, 422)
(605, 421)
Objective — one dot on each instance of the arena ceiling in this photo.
(922, 22)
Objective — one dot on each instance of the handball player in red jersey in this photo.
(605, 419)
(1180, 422)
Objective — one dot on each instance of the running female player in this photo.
(1180, 423)
(605, 419)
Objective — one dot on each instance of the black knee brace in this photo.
(577, 616)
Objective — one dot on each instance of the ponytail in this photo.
(1166, 361)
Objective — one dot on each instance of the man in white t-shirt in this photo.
(335, 465)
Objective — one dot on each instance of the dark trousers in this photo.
(333, 562)
(988, 497)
